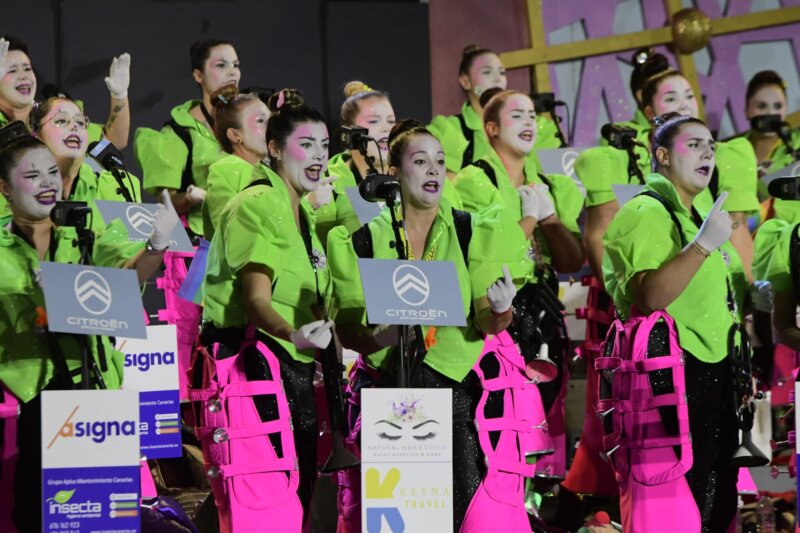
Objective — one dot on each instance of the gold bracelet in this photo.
(700, 250)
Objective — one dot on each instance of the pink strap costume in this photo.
(654, 494)
(253, 485)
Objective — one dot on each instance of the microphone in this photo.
(766, 123)
(618, 136)
(379, 187)
(785, 188)
(107, 155)
(545, 102)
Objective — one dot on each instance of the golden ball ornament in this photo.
(691, 30)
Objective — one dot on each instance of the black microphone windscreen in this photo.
(785, 188)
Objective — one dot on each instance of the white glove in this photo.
(762, 296)
(546, 207)
(3, 57)
(716, 228)
(119, 77)
(164, 223)
(324, 193)
(195, 195)
(529, 200)
(386, 335)
(315, 334)
(501, 293)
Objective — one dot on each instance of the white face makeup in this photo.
(768, 100)
(377, 115)
(254, 119)
(305, 158)
(63, 130)
(517, 128)
(691, 159)
(422, 172)
(675, 93)
(220, 69)
(35, 184)
(486, 72)
(18, 86)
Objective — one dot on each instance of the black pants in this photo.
(468, 464)
(714, 428)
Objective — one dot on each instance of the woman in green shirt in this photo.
(649, 267)
(363, 107)
(33, 359)
(431, 233)
(766, 95)
(241, 130)
(546, 208)
(178, 157)
(462, 135)
(267, 273)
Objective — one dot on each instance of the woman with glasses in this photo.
(63, 127)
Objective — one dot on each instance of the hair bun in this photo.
(224, 95)
(284, 97)
(654, 65)
(471, 49)
(355, 87)
(488, 94)
(658, 120)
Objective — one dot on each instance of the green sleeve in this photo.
(95, 132)
(112, 247)
(448, 131)
(568, 201)
(451, 194)
(496, 242)
(546, 134)
(771, 256)
(476, 190)
(162, 156)
(598, 168)
(348, 294)
(252, 235)
(738, 176)
(224, 182)
(640, 237)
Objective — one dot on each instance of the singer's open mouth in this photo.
(314, 172)
(431, 186)
(47, 197)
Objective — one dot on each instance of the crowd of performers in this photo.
(250, 177)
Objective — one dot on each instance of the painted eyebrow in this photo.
(423, 423)
(387, 422)
(425, 153)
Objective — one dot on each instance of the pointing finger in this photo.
(720, 201)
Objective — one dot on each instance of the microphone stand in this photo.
(397, 244)
(85, 245)
(557, 120)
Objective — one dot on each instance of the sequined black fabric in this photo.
(468, 463)
(532, 326)
(713, 425)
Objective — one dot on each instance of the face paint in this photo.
(221, 68)
(63, 130)
(35, 184)
(691, 159)
(18, 86)
(517, 128)
(376, 114)
(487, 72)
(422, 171)
(768, 100)
(254, 118)
(675, 93)
(305, 158)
